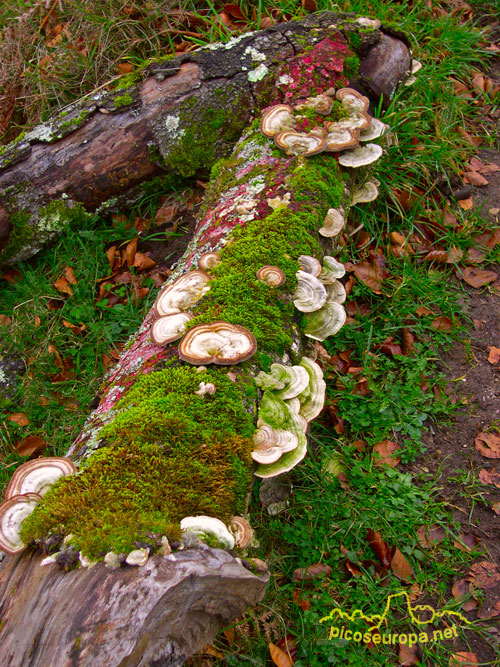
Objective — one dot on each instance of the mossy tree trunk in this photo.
(173, 119)
(155, 450)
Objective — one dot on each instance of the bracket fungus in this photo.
(335, 292)
(168, 328)
(219, 343)
(312, 399)
(376, 129)
(361, 156)
(333, 223)
(13, 511)
(310, 294)
(325, 322)
(204, 526)
(299, 143)
(242, 531)
(38, 475)
(272, 275)
(285, 381)
(182, 293)
(341, 138)
(320, 103)
(277, 119)
(351, 99)
(209, 261)
(331, 271)
(366, 193)
(310, 265)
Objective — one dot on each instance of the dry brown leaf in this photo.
(70, 275)
(11, 275)
(496, 507)
(143, 262)
(129, 253)
(165, 213)
(5, 320)
(442, 323)
(475, 255)
(62, 285)
(18, 418)
(429, 536)
(209, 649)
(408, 656)
(478, 277)
(314, 571)
(463, 658)
(381, 549)
(460, 588)
(475, 178)
(489, 477)
(488, 445)
(385, 451)
(490, 168)
(466, 204)
(423, 310)
(493, 354)
(439, 256)
(484, 574)
(369, 273)
(30, 445)
(279, 657)
(401, 567)
(124, 68)
(475, 164)
(467, 542)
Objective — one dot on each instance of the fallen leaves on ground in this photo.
(477, 277)
(62, 285)
(442, 323)
(311, 572)
(18, 418)
(279, 657)
(408, 656)
(463, 658)
(489, 477)
(401, 567)
(30, 445)
(488, 445)
(493, 354)
(484, 574)
(430, 536)
(385, 451)
(381, 549)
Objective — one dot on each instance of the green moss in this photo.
(59, 214)
(351, 66)
(73, 123)
(122, 100)
(169, 454)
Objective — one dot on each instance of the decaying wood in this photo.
(164, 611)
(179, 118)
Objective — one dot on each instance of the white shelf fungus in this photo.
(361, 156)
(12, 513)
(182, 293)
(38, 475)
(310, 294)
(219, 343)
(169, 328)
(208, 526)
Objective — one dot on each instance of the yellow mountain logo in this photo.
(419, 614)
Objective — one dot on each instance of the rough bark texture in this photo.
(180, 117)
(158, 614)
(262, 208)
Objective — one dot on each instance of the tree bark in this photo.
(180, 117)
(262, 207)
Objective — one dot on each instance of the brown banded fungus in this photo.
(182, 293)
(277, 119)
(321, 104)
(208, 526)
(341, 138)
(351, 99)
(361, 156)
(241, 530)
(299, 143)
(310, 294)
(377, 129)
(219, 343)
(209, 261)
(38, 475)
(310, 265)
(13, 511)
(271, 275)
(169, 328)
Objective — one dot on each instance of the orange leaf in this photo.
(442, 323)
(62, 285)
(11, 275)
(463, 658)
(129, 252)
(489, 477)
(385, 451)
(466, 204)
(5, 320)
(478, 277)
(494, 354)
(423, 310)
(379, 546)
(18, 418)
(475, 178)
(211, 650)
(311, 572)
(30, 445)
(488, 444)
(124, 68)
(408, 656)
(70, 275)
(430, 536)
(279, 657)
(143, 262)
(401, 567)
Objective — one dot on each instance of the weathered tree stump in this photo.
(171, 437)
(177, 117)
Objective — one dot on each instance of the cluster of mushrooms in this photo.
(28, 485)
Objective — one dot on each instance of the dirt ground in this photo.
(452, 455)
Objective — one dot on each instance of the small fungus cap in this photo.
(182, 293)
(241, 530)
(332, 270)
(219, 343)
(325, 322)
(277, 119)
(376, 129)
(208, 525)
(310, 294)
(312, 399)
(361, 156)
(352, 99)
(38, 475)
(321, 104)
(366, 193)
(340, 138)
(209, 260)
(299, 143)
(333, 223)
(272, 275)
(169, 328)
(310, 265)
(13, 511)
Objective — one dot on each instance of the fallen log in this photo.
(174, 118)
(188, 407)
